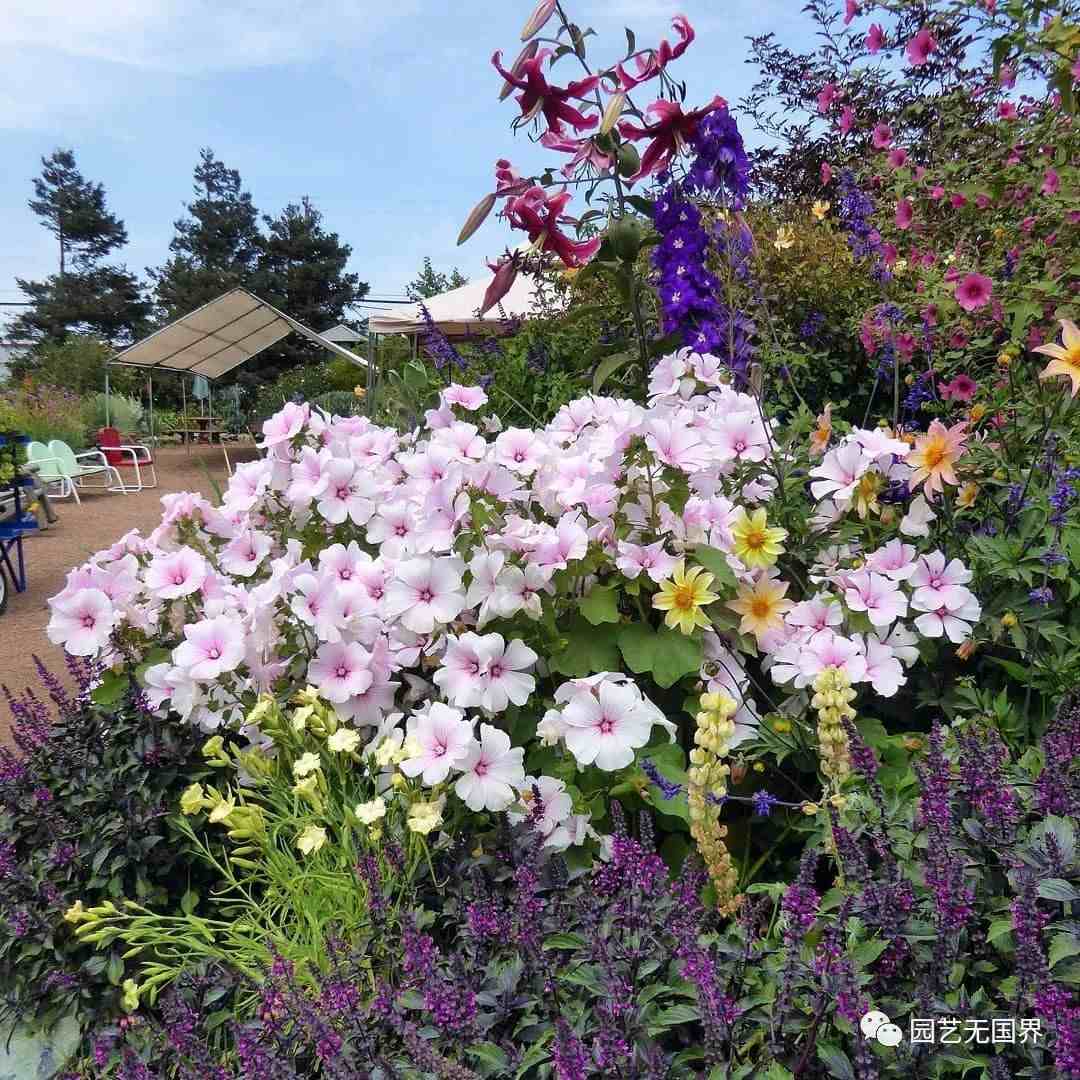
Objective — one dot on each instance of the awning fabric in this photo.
(454, 312)
(220, 336)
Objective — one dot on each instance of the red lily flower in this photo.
(540, 215)
(671, 132)
(651, 62)
(538, 95)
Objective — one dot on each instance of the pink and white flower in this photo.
(653, 560)
(340, 670)
(180, 573)
(876, 595)
(491, 771)
(441, 738)
(82, 622)
(424, 593)
(605, 730)
(211, 647)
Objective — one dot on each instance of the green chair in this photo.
(40, 459)
(70, 465)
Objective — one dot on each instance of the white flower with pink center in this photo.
(840, 472)
(916, 522)
(464, 664)
(818, 613)
(520, 450)
(676, 444)
(348, 495)
(653, 560)
(568, 544)
(933, 579)
(211, 647)
(605, 729)
(468, 397)
(875, 594)
(425, 593)
(896, 560)
(285, 425)
(741, 436)
(340, 670)
(491, 771)
(505, 680)
(243, 555)
(950, 613)
(309, 476)
(82, 621)
(344, 564)
(441, 738)
(484, 570)
(315, 603)
(827, 649)
(522, 590)
(545, 802)
(883, 670)
(180, 573)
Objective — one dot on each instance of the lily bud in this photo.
(541, 13)
(476, 218)
(614, 109)
(501, 283)
(524, 57)
(629, 161)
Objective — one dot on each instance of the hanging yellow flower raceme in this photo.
(756, 545)
(683, 597)
(832, 696)
(705, 788)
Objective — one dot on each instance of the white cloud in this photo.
(195, 36)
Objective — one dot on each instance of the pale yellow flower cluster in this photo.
(832, 697)
(706, 785)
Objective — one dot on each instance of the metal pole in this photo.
(187, 434)
(150, 392)
(107, 394)
(210, 412)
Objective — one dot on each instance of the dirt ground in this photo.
(83, 529)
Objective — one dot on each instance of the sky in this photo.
(385, 115)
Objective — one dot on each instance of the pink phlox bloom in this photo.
(491, 771)
(442, 737)
(82, 621)
(878, 443)
(424, 593)
(344, 563)
(211, 647)
(877, 595)
(875, 39)
(653, 560)
(974, 291)
(463, 441)
(505, 679)
(839, 472)
(828, 649)
(884, 671)
(916, 522)
(180, 573)
(933, 577)
(568, 543)
(818, 613)
(962, 388)
(741, 436)
(340, 670)
(903, 643)
(920, 47)
(881, 136)
(467, 397)
(284, 425)
(847, 119)
(309, 478)
(666, 377)
(896, 560)
(905, 214)
(348, 495)
(247, 485)
(956, 610)
(555, 806)
(484, 570)
(243, 556)
(521, 590)
(605, 730)
(676, 444)
(1051, 184)
(520, 450)
(462, 674)
(316, 603)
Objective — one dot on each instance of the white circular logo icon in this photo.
(889, 1035)
(876, 1025)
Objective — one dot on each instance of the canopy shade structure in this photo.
(220, 336)
(454, 312)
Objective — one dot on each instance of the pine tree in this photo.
(85, 296)
(216, 248)
(431, 282)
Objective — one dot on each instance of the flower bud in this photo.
(524, 57)
(629, 159)
(616, 104)
(501, 283)
(476, 218)
(541, 13)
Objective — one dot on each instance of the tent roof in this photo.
(454, 312)
(220, 336)
(341, 332)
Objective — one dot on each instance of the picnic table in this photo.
(198, 429)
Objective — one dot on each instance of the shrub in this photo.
(83, 820)
(118, 410)
(45, 412)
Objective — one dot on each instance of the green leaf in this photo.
(487, 1053)
(715, 561)
(866, 953)
(536, 1053)
(677, 655)
(836, 1061)
(637, 643)
(1062, 946)
(1058, 889)
(673, 1016)
(189, 901)
(589, 649)
(564, 941)
(115, 972)
(111, 689)
(601, 605)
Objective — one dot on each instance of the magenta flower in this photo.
(851, 9)
(920, 47)
(672, 130)
(1051, 184)
(847, 119)
(826, 96)
(826, 172)
(650, 62)
(905, 214)
(583, 151)
(506, 272)
(881, 136)
(958, 201)
(539, 96)
(540, 216)
(897, 158)
(1007, 110)
(1007, 76)
(875, 39)
(974, 291)
(962, 388)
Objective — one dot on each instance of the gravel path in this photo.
(82, 530)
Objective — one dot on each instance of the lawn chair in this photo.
(70, 465)
(127, 456)
(48, 470)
